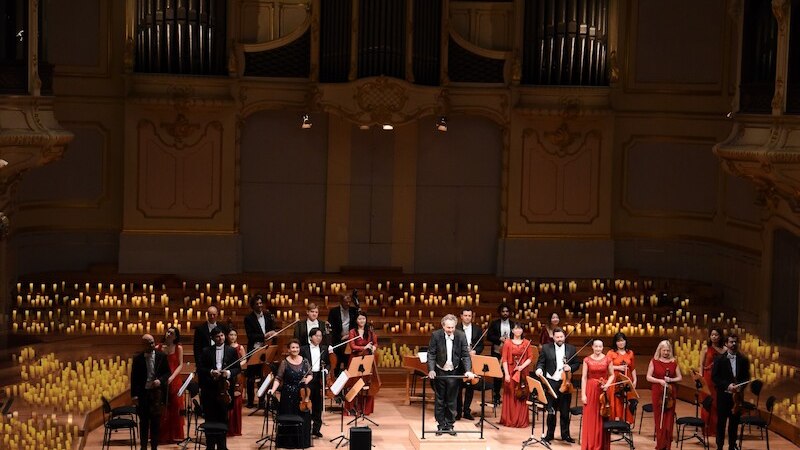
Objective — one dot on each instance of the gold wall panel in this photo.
(264, 21)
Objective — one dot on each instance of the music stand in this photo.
(338, 389)
(263, 355)
(699, 386)
(535, 385)
(187, 406)
(265, 435)
(360, 366)
(487, 366)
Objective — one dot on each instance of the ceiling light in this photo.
(306, 122)
(441, 124)
(388, 126)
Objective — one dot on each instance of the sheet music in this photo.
(423, 357)
(185, 384)
(338, 385)
(264, 385)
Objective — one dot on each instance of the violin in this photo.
(522, 392)
(669, 399)
(331, 378)
(305, 398)
(605, 403)
(224, 386)
(566, 381)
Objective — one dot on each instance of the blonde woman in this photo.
(663, 372)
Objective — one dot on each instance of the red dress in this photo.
(357, 348)
(593, 437)
(235, 414)
(710, 416)
(663, 433)
(515, 411)
(544, 337)
(172, 427)
(618, 410)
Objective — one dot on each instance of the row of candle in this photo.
(36, 433)
(392, 356)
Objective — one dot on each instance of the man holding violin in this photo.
(217, 370)
(259, 326)
(474, 337)
(317, 353)
(730, 370)
(557, 363)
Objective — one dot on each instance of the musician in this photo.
(293, 372)
(302, 328)
(663, 371)
(623, 363)
(149, 375)
(712, 349)
(235, 415)
(474, 336)
(259, 325)
(342, 319)
(557, 359)
(317, 353)
(729, 370)
(596, 377)
(172, 428)
(217, 365)
(365, 343)
(448, 355)
(546, 336)
(499, 331)
(202, 334)
(517, 356)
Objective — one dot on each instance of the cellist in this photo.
(622, 362)
(365, 343)
(319, 355)
(662, 372)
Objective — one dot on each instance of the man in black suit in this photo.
(730, 369)
(317, 354)
(303, 327)
(202, 334)
(473, 333)
(259, 326)
(448, 355)
(342, 320)
(149, 375)
(552, 363)
(499, 331)
(217, 363)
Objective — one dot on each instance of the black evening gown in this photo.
(290, 376)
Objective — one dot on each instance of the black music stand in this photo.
(264, 355)
(625, 386)
(699, 386)
(338, 389)
(541, 399)
(191, 389)
(360, 366)
(489, 367)
(268, 400)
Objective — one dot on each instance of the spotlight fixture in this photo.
(363, 127)
(729, 115)
(388, 126)
(306, 122)
(3, 163)
(441, 124)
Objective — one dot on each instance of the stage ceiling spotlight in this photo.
(3, 163)
(441, 124)
(388, 126)
(306, 122)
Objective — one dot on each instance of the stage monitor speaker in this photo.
(360, 438)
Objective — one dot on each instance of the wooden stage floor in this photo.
(397, 422)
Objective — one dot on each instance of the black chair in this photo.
(286, 427)
(577, 411)
(113, 424)
(205, 429)
(755, 388)
(695, 422)
(757, 421)
(647, 408)
(622, 428)
(479, 390)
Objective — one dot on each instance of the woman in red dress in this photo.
(622, 363)
(663, 371)
(172, 428)
(516, 356)
(546, 336)
(711, 350)
(596, 376)
(365, 344)
(235, 414)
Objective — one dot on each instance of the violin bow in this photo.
(250, 353)
(663, 400)
(475, 344)
(574, 327)
(579, 350)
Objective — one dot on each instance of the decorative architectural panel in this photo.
(560, 179)
(179, 169)
(264, 21)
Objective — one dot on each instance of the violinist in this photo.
(596, 377)
(623, 363)
(365, 344)
(172, 428)
(546, 336)
(557, 362)
(217, 370)
(712, 349)
(729, 369)
(149, 374)
(342, 319)
(259, 325)
(202, 334)
(317, 353)
(499, 331)
(662, 373)
(517, 356)
(474, 336)
(235, 416)
(293, 373)
(303, 327)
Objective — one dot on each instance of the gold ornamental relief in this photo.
(562, 142)
(381, 99)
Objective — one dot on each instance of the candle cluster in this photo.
(392, 356)
(788, 409)
(36, 432)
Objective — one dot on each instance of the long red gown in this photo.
(515, 411)
(172, 426)
(235, 414)
(663, 433)
(710, 416)
(357, 348)
(593, 437)
(618, 410)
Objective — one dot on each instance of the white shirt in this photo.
(732, 359)
(345, 313)
(505, 328)
(448, 341)
(559, 362)
(150, 361)
(211, 327)
(468, 332)
(309, 326)
(220, 352)
(315, 357)
(262, 322)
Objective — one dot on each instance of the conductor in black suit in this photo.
(342, 319)
(259, 326)
(473, 334)
(448, 355)
(202, 334)
(149, 375)
(217, 364)
(730, 369)
(317, 354)
(552, 364)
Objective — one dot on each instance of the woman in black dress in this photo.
(293, 373)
